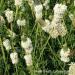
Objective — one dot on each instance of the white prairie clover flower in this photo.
(46, 28)
(65, 59)
(57, 27)
(38, 11)
(6, 44)
(14, 57)
(65, 55)
(21, 22)
(2, 21)
(9, 15)
(27, 45)
(28, 59)
(18, 2)
(72, 69)
(60, 9)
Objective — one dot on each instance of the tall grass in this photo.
(45, 54)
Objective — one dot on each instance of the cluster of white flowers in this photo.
(64, 53)
(72, 69)
(28, 59)
(27, 45)
(59, 10)
(14, 57)
(46, 4)
(38, 11)
(2, 21)
(9, 15)
(18, 2)
(6, 44)
(56, 27)
(21, 22)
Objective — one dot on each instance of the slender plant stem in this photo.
(3, 51)
(44, 47)
(1, 2)
(16, 69)
(55, 55)
(12, 37)
(17, 8)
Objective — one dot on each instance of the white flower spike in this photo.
(65, 55)
(6, 44)
(18, 2)
(38, 11)
(28, 59)
(72, 69)
(14, 57)
(9, 15)
(27, 45)
(21, 22)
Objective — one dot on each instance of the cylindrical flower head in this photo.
(38, 11)
(27, 45)
(65, 59)
(18, 2)
(65, 55)
(14, 57)
(9, 15)
(72, 69)
(59, 9)
(6, 44)
(28, 59)
(63, 8)
(21, 22)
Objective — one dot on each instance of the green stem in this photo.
(33, 30)
(3, 53)
(55, 56)
(17, 8)
(44, 47)
(2, 50)
(36, 36)
(12, 37)
(16, 69)
(1, 2)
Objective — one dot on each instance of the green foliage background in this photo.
(46, 51)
